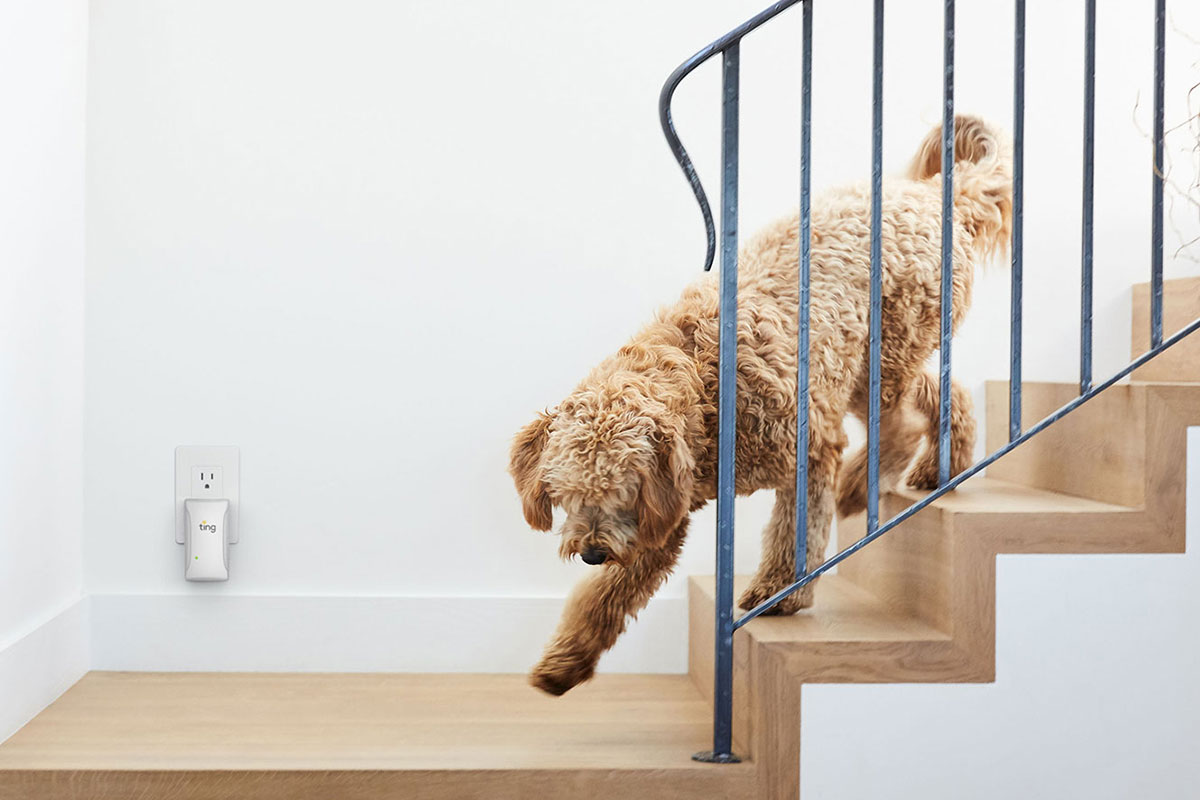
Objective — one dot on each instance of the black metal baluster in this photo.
(1089, 169)
(1156, 234)
(876, 301)
(727, 419)
(805, 248)
(947, 299)
(1018, 230)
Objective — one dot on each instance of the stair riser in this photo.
(1097, 451)
(1181, 306)
(909, 568)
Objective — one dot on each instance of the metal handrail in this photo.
(667, 94)
(729, 47)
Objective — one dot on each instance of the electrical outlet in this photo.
(208, 481)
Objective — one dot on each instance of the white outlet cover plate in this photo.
(227, 460)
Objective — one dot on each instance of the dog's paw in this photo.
(924, 474)
(557, 674)
(761, 590)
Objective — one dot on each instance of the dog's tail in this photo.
(982, 180)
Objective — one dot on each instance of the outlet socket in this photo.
(208, 481)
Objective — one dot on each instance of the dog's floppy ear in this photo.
(666, 492)
(524, 466)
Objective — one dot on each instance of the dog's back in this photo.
(840, 277)
(911, 235)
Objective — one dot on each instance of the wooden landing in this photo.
(297, 736)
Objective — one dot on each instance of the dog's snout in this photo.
(594, 556)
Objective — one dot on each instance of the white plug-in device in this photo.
(207, 501)
(207, 542)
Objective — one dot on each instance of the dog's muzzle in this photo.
(594, 556)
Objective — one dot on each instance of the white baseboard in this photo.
(41, 665)
(359, 634)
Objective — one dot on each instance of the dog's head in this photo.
(616, 461)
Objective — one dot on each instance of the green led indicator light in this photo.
(197, 558)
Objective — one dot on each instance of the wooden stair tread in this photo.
(842, 612)
(115, 721)
(984, 495)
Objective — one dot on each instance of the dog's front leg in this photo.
(599, 609)
(777, 569)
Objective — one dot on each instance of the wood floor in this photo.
(205, 735)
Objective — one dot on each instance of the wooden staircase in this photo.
(917, 606)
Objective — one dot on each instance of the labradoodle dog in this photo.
(633, 449)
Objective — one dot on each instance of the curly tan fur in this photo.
(633, 449)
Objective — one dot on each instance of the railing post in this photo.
(876, 300)
(1018, 229)
(1156, 233)
(722, 751)
(1089, 170)
(805, 252)
(947, 287)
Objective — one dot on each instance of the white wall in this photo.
(365, 241)
(43, 637)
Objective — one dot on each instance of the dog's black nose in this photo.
(593, 556)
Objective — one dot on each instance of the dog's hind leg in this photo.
(924, 395)
(900, 430)
(599, 609)
(777, 569)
